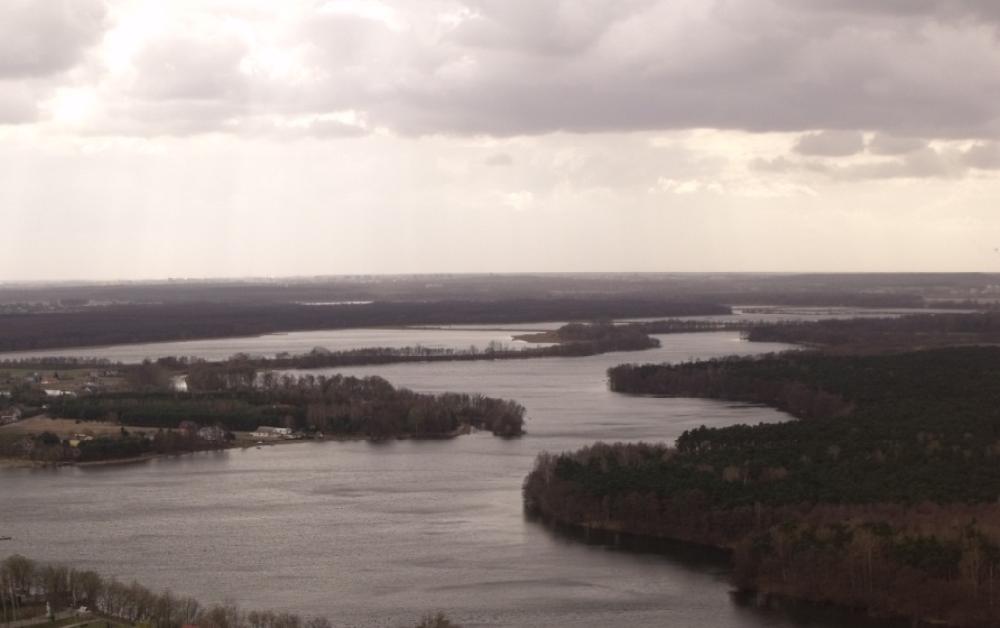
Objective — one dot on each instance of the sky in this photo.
(209, 138)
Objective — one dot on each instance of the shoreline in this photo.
(23, 463)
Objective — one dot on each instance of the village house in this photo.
(212, 434)
(266, 431)
(79, 438)
(10, 415)
(51, 392)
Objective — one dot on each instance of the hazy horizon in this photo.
(143, 140)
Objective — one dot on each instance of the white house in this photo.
(266, 431)
(50, 392)
(10, 415)
(212, 434)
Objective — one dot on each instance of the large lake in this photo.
(379, 534)
(458, 337)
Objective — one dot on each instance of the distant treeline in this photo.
(821, 298)
(884, 496)
(122, 324)
(807, 288)
(24, 584)
(370, 407)
(866, 334)
(573, 340)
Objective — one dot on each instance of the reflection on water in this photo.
(378, 534)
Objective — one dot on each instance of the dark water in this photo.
(379, 534)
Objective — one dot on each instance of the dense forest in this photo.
(120, 324)
(26, 587)
(884, 495)
(881, 334)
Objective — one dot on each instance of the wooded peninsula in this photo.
(882, 495)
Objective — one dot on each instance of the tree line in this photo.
(913, 331)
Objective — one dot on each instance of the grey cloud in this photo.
(17, 103)
(831, 143)
(191, 69)
(499, 159)
(983, 155)
(525, 67)
(925, 162)
(43, 38)
(953, 9)
(884, 144)
(757, 66)
(556, 27)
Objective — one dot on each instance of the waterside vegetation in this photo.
(27, 588)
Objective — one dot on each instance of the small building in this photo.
(266, 431)
(212, 434)
(51, 392)
(188, 428)
(79, 438)
(10, 415)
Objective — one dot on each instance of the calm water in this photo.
(292, 342)
(378, 534)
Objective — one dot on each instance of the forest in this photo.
(121, 324)
(883, 495)
(885, 334)
(27, 586)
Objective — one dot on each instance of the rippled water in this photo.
(378, 534)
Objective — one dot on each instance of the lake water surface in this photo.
(379, 534)
(459, 337)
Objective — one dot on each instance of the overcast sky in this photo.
(191, 138)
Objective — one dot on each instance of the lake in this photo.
(379, 534)
(459, 337)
